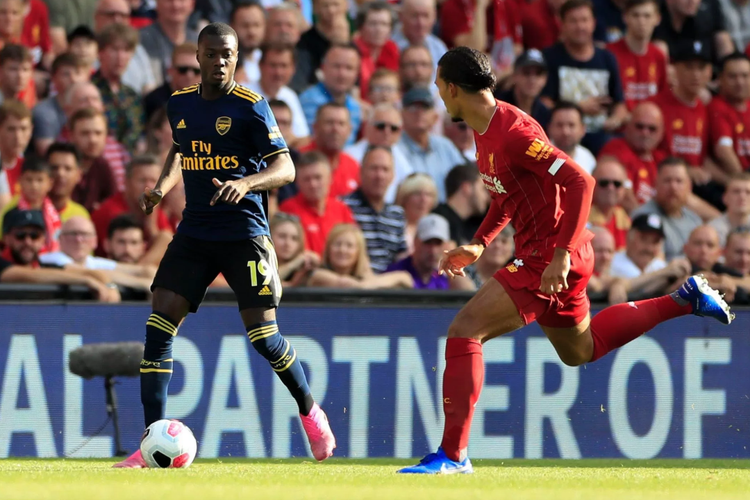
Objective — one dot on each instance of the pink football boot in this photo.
(322, 441)
(134, 461)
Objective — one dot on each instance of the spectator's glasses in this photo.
(78, 234)
(22, 235)
(114, 15)
(383, 125)
(605, 183)
(644, 126)
(184, 70)
(741, 230)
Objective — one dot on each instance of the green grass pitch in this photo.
(375, 479)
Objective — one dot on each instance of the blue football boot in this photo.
(438, 463)
(705, 300)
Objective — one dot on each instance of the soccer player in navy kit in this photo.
(229, 151)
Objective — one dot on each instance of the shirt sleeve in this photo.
(719, 129)
(615, 83)
(718, 17)
(543, 159)
(44, 122)
(552, 87)
(494, 222)
(264, 131)
(454, 20)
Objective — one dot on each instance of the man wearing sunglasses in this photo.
(183, 73)
(606, 210)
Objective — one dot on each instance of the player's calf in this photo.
(156, 366)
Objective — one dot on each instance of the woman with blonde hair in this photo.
(418, 196)
(295, 263)
(346, 264)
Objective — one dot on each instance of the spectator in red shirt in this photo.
(686, 118)
(606, 209)
(330, 132)
(540, 22)
(142, 172)
(317, 210)
(88, 133)
(11, 21)
(35, 32)
(729, 117)
(15, 134)
(637, 152)
(643, 67)
(492, 26)
(16, 72)
(376, 48)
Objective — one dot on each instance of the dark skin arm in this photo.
(170, 175)
(279, 172)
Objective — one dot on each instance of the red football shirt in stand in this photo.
(729, 126)
(685, 128)
(524, 174)
(641, 172)
(503, 27)
(317, 225)
(35, 34)
(642, 75)
(539, 24)
(345, 177)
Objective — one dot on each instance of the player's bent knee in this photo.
(574, 358)
(463, 328)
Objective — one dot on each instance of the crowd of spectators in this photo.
(649, 96)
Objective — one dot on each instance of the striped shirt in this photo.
(384, 231)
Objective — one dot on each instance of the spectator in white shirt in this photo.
(566, 129)
(77, 243)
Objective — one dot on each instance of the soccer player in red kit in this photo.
(643, 67)
(729, 115)
(548, 196)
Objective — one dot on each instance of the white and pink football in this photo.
(168, 444)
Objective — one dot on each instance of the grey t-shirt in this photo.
(48, 118)
(676, 229)
(159, 48)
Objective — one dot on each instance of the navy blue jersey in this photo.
(227, 138)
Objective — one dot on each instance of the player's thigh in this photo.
(490, 313)
(251, 269)
(574, 344)
(186, 270)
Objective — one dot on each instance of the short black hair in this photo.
(632, 4)
(734, 56)
(278, 103)
(372, 148)
(279, 48)
(566, 106)
(122, 222)
(63, 147)
(345, 46)
(217, 29)
(671, 161)
(244, 4)
(575, 4)
(458, 175)
(467, 68)
(35, 164)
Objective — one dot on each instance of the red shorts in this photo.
(521, 280)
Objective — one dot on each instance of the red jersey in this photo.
(729, 126)
(533, 182)
(14, 174)
(641, 76)
(539, 24)
(35, 34)
(503, 27)
(317, 225)
(685, 131)
(641, 172)
(345, 177)
(618, 224)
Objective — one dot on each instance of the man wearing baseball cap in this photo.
(426, 152)
(433, 233)
(529, 78)
(23, 232)
(643, 253)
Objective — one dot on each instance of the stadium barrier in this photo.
(375, 363)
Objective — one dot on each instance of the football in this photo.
(168, 444)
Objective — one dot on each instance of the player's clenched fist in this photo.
(229, 192)
(555, 275)
(454, 261)
(149, 199)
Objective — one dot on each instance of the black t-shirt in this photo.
(702, 27)
(4, 264)
(227, 138)
(462, 231)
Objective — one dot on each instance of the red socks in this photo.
(617, 325)
(462, 383)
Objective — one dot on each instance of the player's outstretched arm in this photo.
(170, 175)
